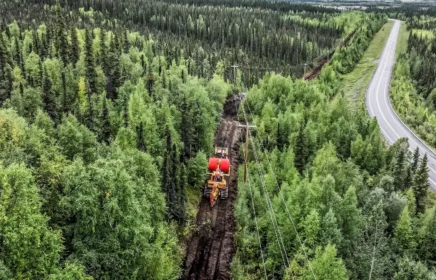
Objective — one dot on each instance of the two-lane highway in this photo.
(379, 105)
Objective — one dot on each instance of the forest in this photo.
(332, 202)
(109, 112)
(254, 38)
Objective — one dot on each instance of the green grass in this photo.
(402, 40)
(355, 83)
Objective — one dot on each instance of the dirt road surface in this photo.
(210, 251)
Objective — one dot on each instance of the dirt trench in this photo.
(210, 251)
(326, 58)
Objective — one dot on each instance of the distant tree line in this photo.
(211, 33)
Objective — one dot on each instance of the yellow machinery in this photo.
(218, 170)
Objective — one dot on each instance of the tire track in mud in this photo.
(210, 251)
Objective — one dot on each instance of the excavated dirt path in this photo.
(210, 250)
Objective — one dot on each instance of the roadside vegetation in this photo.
(325, 197)
(354, 84)
(413, 87)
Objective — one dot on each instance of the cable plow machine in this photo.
(218, 170)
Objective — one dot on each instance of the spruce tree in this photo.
(421, 185)
(140, 141)
(403, 231)
(18, 57)
(415, 160)
(167, 169)
(181, 193)
(143, 64)
(64, 94)
(61, 35)
(150, 82)
(175, 192)
(35, 43)
(105, 132)
(408, 179)
(126, 113)
(126, 44)
(5, 72)
(164, 80)
(103, 52)
(300, 150)
(398, 172)
(91, 74)
(114, 71)
(89, 114)
(75, 51)
(48, 97)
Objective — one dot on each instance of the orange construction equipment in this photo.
(219, 169)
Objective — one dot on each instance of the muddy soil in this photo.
(324, 59)
(210, 251)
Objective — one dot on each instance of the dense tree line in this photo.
(263, 4)
(407, 10)
(282, 40)
(100, 137)
(331, 200)
(422, 61)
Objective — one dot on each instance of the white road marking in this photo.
(382, 66)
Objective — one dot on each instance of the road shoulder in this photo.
(354, 84)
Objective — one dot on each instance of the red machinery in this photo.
(218, 170)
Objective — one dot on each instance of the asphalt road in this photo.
(379, 105)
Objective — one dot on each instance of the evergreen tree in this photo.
(89, 113)
(421, 185)
(36, 44)
(49, 103)
(426, 235)
(150, 82)
(404, 238)
(104, 52)
(398, 172)
(181, 191)
(312, 226)
(415, 161)
(18, 57)
(301, 150)
(61, 36)
(75, 51)
(331, 234)
(411, 202)
(164, 80)
(5, 72)
(408, 179)
(126, 113)
(140, 141)
(409, 269)
(114, 80)
(105, 132)
(167, 169)
(65, 101)
(91, 74)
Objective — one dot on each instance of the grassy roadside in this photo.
(403, 36)
(355, 83)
